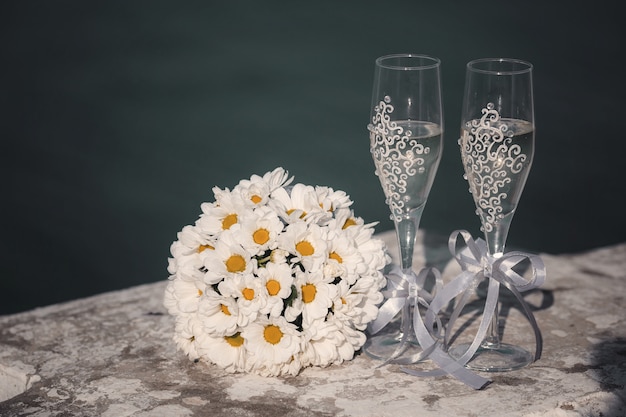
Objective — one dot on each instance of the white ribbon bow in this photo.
(403, 291)
(476, 264)
(406, 289)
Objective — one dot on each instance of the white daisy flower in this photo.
(219, 315)
(258, 231)
(353, 339)
(227, 352)
(222, 215)
(277, 178)
(249, 292)
(271, 341)
(186, 329)
(369, 308)
(277, 280)
(331, 200)
(298, 204)
(228, 260)
(320, 348)
(193, 238)
(169, 300)
(184, 261)
(256, 191)
(343, 218)
(357, 304)
(183, 295)
(187, 250)
(315, 297)
(291, 367)
(373, 251)
(307, 242)
(344, 259)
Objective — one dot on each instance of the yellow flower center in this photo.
(248, 293)
(305, 248)
(200, 292)
(256, 199)
(261, 236)
(302, 216)
(335, 256)
(202, 248)
(272, 334)
(229, 221)
(235, 263)
(225, 309)
(348, 223)
(308, 293)
(273, 287)
(235, 340)
(330, 209)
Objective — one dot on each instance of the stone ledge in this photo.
(16, 379)
(112, 355)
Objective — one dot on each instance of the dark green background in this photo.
(117, 119)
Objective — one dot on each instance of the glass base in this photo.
(387, 344)
(494, 358)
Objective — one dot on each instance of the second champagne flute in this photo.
(497, 147)
(406, 130)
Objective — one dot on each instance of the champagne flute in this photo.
(497, 147)
(406, 130)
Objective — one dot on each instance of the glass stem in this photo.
(493, 334)
(406, 230)
(496, 239)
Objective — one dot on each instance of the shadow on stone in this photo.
(608, 367)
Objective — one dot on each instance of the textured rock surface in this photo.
(112, 355)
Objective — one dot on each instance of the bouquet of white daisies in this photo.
(274, 277)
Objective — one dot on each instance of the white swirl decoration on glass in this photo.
(398, 156)
(492, 150)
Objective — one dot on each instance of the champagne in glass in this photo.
(497, 147)
(406, 130)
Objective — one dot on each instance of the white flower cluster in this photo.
(273, 278)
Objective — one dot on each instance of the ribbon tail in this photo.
(414, 297)
(403, 344)
(449, 366)
(460, 305)
(488, 313)
(396, 295)
(531, 318)
(386, 313)
(446, 364)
